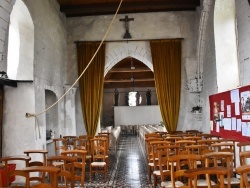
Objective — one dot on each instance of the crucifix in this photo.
(126, 20)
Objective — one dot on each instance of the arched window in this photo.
(20, 44)
(226, 45)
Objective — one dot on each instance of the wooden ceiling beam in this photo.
(106, 8)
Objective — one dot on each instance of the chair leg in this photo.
(90, 173)
(155, 181)
(149, 173)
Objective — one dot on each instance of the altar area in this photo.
(137, 115)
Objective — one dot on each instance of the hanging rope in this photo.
(111, 23)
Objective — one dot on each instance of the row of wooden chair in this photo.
(187, 145)
(66, 162)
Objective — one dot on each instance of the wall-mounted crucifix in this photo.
(126, 20)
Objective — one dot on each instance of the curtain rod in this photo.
(137, 40)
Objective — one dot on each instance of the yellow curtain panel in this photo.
(91, 83)
(166, 56)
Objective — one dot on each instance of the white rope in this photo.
(35, 115)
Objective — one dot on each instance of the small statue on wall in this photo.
(126, 99)
(148, 97)
(116, 97)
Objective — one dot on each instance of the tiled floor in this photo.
(128, 167)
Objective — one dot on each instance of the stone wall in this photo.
(21, 133)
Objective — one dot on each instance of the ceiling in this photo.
(73, 8)
(121, 75)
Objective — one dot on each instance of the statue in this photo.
(148, 97)
(126, 99)
(116, 97)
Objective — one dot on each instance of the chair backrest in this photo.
(10, 173)
(155, 145)
(80, 164)
(60, 144)
(244, 157)
(68, 170)
(226, 146)
(52, 171)
(181, 163)
(106, 137)
(193, 175)
(209, 136)
(183, 144)
(164, 152)
(148, 147)
(224, 159)
(98, 148)
(81, 144)
(242, 146)
(32, 153)
(243, 170)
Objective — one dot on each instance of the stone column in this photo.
(70, 111)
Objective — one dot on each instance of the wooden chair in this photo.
(98, 152)
(208, 143)
(16, 172)
(194, 174)
(244, 170)
(70, 142)
(176, 132)
(88, 138)
(162, 167)
(244, 160)
(156, 171)
(52, 171)
(37, 163)
(155, 135)
(183, 144)
(226, 146)
(194, 132)
(209, 136)
(79, 165)
(179, 164)
(224, 159)
(83, 144)
(172, 139)
(67, 172)
(149, 153)
(60, 144)
(242, 146)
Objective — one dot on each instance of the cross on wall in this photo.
(126, 20)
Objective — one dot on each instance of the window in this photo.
(226, 45)
(20, 44)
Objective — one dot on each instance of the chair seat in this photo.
(233, 181)
(168, 184)
(58, 163)
(98, 163)
(151, 164)
(158, 173)
(203, 182)
(88, 156)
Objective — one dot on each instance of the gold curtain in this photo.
(166, 57)
(91, 83)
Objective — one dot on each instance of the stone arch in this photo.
(116, 51)
(21, 43)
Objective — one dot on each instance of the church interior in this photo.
(119, 71)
